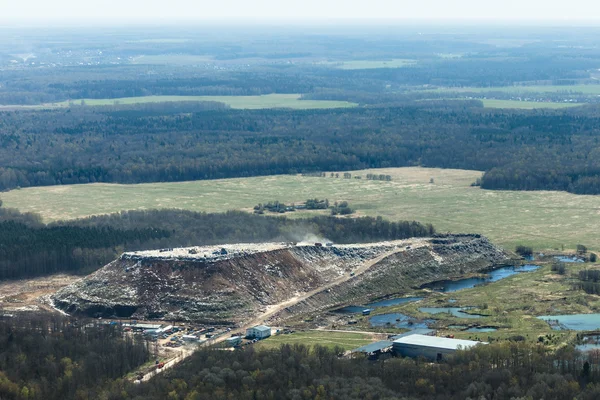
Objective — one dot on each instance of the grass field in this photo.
(366, 64)
(543, 219)
(238, 102)
(525, 105)
(347, 341)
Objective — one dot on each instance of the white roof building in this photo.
(431, 347)
(258, 332)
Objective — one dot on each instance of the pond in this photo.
(398, 320)
(588, 347)
(448, 286)
(574, 322)
(465, 328)
(457, 327)
(459, 312)
(482, 329)
(589, 343)
(393, 302)
(377, 304)
(350, 310)
(569, 259)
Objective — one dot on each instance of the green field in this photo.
(567, 89)
(345, 340)
(543, 219)
(367, 64)
(237, 102)
(525, 105)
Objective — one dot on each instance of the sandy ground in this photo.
(28, 294)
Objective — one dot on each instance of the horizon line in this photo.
(296, 21)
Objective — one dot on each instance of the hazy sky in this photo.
(557, 10)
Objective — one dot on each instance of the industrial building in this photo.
(233, 341)
(141, 327)
(431, 347)
(420, 331)
(258, 332)
(374, 350)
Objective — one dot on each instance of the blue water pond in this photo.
(448, 286)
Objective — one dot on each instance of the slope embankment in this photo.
(233, 284)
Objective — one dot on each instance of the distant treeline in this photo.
(498, 371)
(543, 63)
(29, 248)
(52, 358)
(520, 150)
(30, 251)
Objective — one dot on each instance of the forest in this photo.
(518, 149)
(46, 358)
(52, 358)
(426, 112)
(30, 248)
(502, 371)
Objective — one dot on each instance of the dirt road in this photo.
(184, 353)
(276, 308)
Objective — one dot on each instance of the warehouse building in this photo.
(258, 332)
(374, 350)
(420, 331)
(431, 347)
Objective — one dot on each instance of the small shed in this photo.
(431, 347)
(258, 332)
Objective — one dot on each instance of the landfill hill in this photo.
(232, 283)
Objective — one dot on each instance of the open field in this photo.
(347, 341)
(368, 64)
(238, 102)
(526, 105)
(567, 89)
(543, 219)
